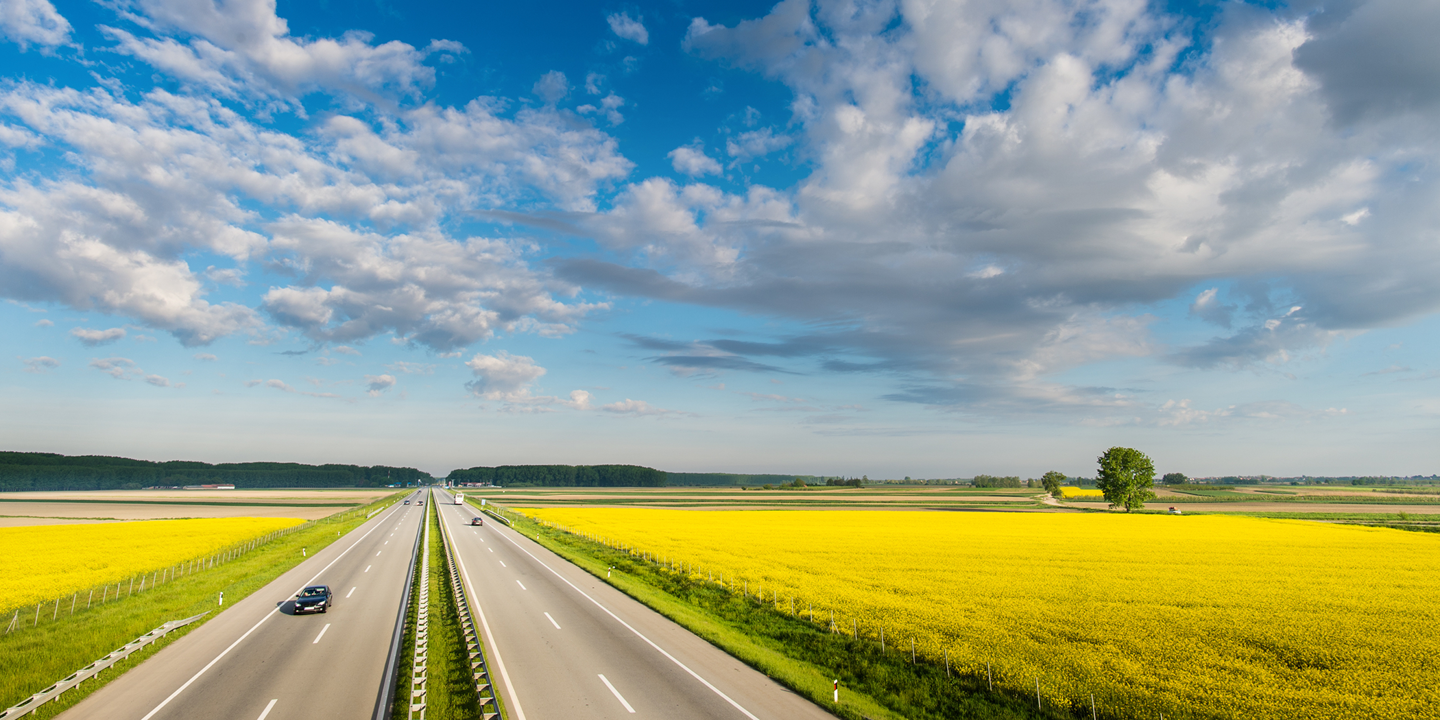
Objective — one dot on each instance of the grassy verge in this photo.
(801, 655)
(450, 685)
(36, 657)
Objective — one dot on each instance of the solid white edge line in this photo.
(316, 641)
(352, 592)
(490, 639)
(638, 634)
(552, 621)
(617, 694)
(227, 650)
(267, 709)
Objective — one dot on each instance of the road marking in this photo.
(617, 695)
(367, 568)
(552, 621)
(502, 563)
(638, 634)
(352, 592)
(490, 549)
(227, 650)
(322, 634)
(490, 637)
(377, 554)
(522, 585)
(387, 542)
(267, 709)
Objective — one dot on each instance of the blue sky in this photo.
(931, 239)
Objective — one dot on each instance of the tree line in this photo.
(561, 476)
(21, 471)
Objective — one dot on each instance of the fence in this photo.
(49, 610)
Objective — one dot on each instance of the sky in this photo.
(918, 238)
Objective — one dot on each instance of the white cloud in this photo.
(503, 376)
(97, 337)
(346, 350)
(552, 87)
(755, 144)
(32, 21)
(44, 323)
(125, 369)
(412, 368)
(282, 386)
(377, 384)
(241, 48)
(638, 408)
(692, 160)
(40, 364)
(205, 357)
(628, 28)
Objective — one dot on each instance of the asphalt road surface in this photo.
(258, 660)
(566, 646)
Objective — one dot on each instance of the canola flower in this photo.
(44, 562)
(1189, 617)
(1070, 491)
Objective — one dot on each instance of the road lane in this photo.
(258, 659)
(617, 658)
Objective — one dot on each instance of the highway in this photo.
(258, 660)
(565, 645)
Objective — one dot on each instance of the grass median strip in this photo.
(40, 656)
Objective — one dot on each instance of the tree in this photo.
(1175, 479)
(1052, 481)
(1125, 477)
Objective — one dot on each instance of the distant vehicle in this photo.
(476, 521)
(422, 502)
(1173, 511)
(459, 498)
(407, 502)
(316, 598)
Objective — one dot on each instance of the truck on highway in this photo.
(459, 499)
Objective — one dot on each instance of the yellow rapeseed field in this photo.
(1192, 617)
(1070, 491)
(43, 562)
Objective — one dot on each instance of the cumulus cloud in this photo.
(243, 49)
(552, 87)
(125, 369)
(692, 160)
(628, 28)
(44, 323)
(42, 364)
(638, 408)
(509, 378)
(92, 337)
(376, 384)
(33, 21)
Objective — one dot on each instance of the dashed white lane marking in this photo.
(631, 710)
(502, 563)
(267, 709)
(367, 568)
(352, 592)
(322, 634)
(490, 549)
(631, 628)
(377, 554)
(552, 621)
(238, 640)
(522, 585)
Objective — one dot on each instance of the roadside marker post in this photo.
(837, 691)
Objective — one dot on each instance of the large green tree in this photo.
(1052, 481)
(1125, 477)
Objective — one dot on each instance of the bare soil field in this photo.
(44, 508)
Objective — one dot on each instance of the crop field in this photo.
(1189, 617)
(1070, 492)
(44, 562)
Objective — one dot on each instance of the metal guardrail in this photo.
(479, 669)
(422, 629)
(386, 699)
(33, 703)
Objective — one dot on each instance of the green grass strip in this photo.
(34, 658)
(449, 687)
(801, 655)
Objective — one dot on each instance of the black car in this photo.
(316, 598)
(407, 502)
(476, 521)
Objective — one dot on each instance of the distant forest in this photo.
(732, 479)
(561, 476)
(48, 471)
